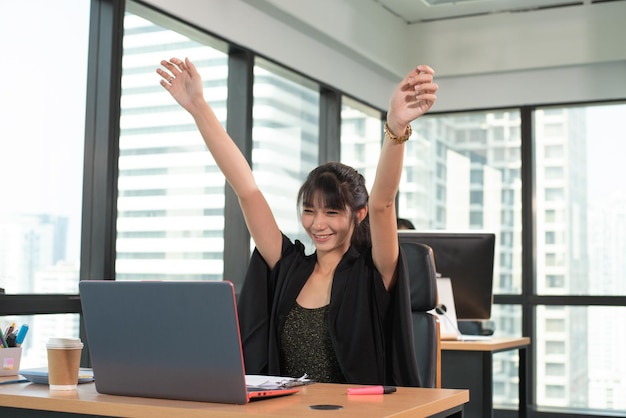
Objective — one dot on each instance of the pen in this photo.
(371, 390)
(9, 330)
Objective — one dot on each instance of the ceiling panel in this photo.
(415, 11)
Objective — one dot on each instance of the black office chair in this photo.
(422, 276)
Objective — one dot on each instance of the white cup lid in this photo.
(64, 343)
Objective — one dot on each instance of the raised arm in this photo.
(182, 80)
(413, 97)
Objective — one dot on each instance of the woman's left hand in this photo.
(413, 97)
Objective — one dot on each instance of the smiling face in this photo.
(329, 228)
(333, 205)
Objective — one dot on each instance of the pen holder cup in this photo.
(10, 361)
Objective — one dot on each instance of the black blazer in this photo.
(371, 329)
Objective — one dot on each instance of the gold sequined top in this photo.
(306, 346)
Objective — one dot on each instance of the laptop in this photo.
(446, 312)
(168, 340)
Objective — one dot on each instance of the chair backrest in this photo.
(420, 264)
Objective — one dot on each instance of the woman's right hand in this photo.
(182, 80)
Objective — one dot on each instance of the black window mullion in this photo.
(528, 245)
(102, 140)
(34, 304)
(239, 126)
(102, 121)
(329, 126)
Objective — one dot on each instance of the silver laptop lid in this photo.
(174, 340)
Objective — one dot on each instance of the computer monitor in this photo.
(467, 259)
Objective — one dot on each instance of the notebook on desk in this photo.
(446, 311)
(170, 340)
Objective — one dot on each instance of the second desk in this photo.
(469, 365)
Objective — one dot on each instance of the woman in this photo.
(341, 314)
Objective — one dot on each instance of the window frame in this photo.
(100, 194)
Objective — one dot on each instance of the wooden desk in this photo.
(406, 402)
(469, 365)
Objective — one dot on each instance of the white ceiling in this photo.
(415, 11)
(573, 53)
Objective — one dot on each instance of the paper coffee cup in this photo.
(63, 362)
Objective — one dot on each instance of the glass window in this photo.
(469, 186)
(555, 347)
(498, 133)
(41, 155)
(579, 348)
(553, 194)
(555, 369)
(285, 140)
(555, 325)
(554, 173)
(585, 204)
(579, 188)
(553, 151)
(508, 323)
(170, 222)
(42, 115)
(553, 130)
(555, 280)
(556, 392)
(361, 138)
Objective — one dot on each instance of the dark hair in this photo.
(340, 187)
(405, 224)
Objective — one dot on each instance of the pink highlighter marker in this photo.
(371, 390)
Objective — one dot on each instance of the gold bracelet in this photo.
(398, 139)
